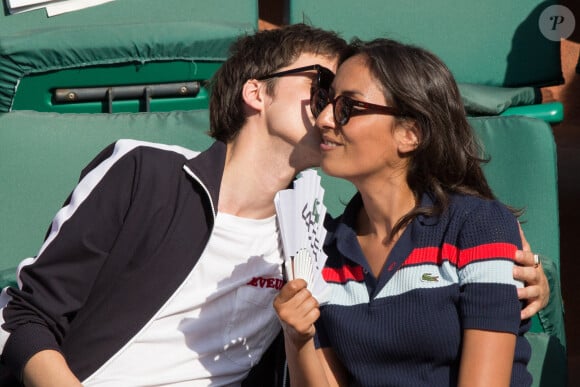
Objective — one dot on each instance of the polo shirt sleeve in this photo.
(487, 242)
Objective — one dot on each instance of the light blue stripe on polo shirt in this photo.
(420, 277)
(427, 276)
(490, 271)
(349, 294)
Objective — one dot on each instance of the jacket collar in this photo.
(208, 168)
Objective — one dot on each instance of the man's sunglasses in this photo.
(344, 107)
(324, 76)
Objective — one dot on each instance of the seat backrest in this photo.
(42, 154)
(492, 42)
(523, 174)
(120, 43)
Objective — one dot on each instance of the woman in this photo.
(420, 263)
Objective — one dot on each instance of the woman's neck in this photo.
(385, 203)
(383, 207)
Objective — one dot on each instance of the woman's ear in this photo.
(408, 136)
(252, 94)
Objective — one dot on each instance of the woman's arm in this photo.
(489, 307)
(335, 372)
(48, 368)
(297, 311)
(487, 358)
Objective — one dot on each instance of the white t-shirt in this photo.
(218, 323)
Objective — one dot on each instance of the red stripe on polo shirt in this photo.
(343, 274)
(433, 255)
(461, 258)
(487, 251)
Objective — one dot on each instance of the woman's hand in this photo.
(297, 311)
(537, 290)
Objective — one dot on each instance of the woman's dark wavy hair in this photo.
(448, 158)
(254, 56)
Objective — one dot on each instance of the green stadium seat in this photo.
(493, 43)
(42, 154)
(122, 56)
(496, 44)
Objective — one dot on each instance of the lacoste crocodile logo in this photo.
(428, 277)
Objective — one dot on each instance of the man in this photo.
(162, 266)
(147, 274)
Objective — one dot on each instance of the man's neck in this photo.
(253, 174)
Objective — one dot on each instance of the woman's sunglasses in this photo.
(324, 76)
(344, 107)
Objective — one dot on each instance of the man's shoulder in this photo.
(127, 156)
(125, 146)
(137, 152)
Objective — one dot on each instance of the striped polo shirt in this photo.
(445, 274)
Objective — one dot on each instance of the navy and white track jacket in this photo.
(126, 238)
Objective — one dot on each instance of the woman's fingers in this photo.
(297, 310)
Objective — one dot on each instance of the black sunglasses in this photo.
(324, 76)
(344, 107)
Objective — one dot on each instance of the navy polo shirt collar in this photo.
(346, 227)
(345, 233)
(347, 243)
(428, 200)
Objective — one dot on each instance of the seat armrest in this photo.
(552, 112)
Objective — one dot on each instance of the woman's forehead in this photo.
(355, 78)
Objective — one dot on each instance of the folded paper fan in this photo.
(301, 213)
(303, 266)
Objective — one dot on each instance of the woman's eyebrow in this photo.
(346, 93)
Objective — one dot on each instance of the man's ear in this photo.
(252, 94)
(408, 136)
